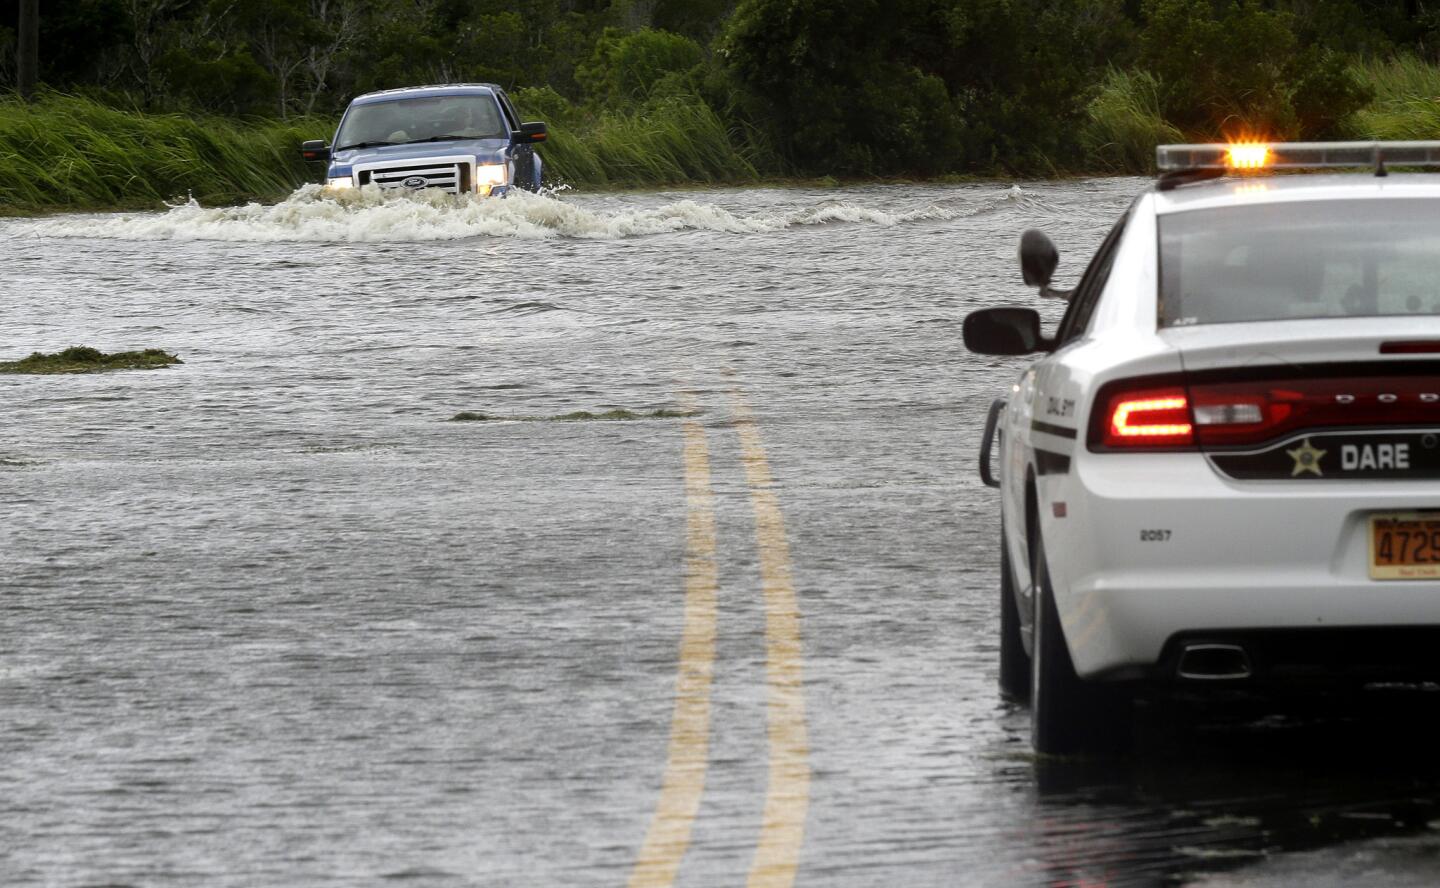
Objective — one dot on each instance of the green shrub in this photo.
(624, 68)
(544, 103)
(830, 80)
(231, 83)
(1125, 123)
(1238, 70)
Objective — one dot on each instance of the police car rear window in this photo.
(1307, 259)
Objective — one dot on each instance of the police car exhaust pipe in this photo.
(1213, 662)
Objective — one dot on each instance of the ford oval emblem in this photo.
(415, 182)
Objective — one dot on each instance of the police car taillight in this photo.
(1148, 418)
(1244, 413)
(1140, 414)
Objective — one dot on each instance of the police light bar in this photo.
(1251, 156)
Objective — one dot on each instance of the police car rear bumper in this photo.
(1152, 548)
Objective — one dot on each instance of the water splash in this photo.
(318, 214)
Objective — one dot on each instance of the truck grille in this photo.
(451, 177)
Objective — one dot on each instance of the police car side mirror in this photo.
(1038, 258)
(1004, 331)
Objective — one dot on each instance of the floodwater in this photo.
(271, 618)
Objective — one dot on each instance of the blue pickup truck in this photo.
(463, 138)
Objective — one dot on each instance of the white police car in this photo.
(1225, 468)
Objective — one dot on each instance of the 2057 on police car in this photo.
(1224, 467)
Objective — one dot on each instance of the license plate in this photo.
(1405, 546)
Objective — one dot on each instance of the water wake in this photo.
(367, 215)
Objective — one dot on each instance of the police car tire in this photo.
(1068, 715)
(1014, 662)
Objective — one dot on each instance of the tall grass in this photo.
(1406, 103)
(71, 152)
(1125, 124)
(672, 141)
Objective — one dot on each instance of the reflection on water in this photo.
(1214, 789)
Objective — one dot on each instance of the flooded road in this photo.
(273, 617)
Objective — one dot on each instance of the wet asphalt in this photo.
(270, 617)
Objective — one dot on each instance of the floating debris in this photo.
(83, 359)
(616, 415)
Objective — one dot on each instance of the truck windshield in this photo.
(421, 119)
(1307, 259)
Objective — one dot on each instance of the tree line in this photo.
(807, 87)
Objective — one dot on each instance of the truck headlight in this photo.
(489, 175)
(341, 182)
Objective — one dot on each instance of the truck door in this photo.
(524, 153)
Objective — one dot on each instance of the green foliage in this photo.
(1406, 101)
(1220, 74)
(1326, 94)
(495, 47)
(7, 56)
(922, 86)
(699, 20)
(1024, 70)
(74, 152)
(544, 103)
(1368, 28)
(625, 68)
(1125, 123)
(1238, 70)
(227, 83)
(670, 141)
(834, 91)
(79, 39)
(83, 359)
(402, 51)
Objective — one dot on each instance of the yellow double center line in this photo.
(684, 782)
(787, 795)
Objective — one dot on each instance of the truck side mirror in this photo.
(531, 132)
(1038, 258)
(315, 149)
(1004, 331)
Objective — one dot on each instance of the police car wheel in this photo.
(1014, 662)
(1068, 715)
